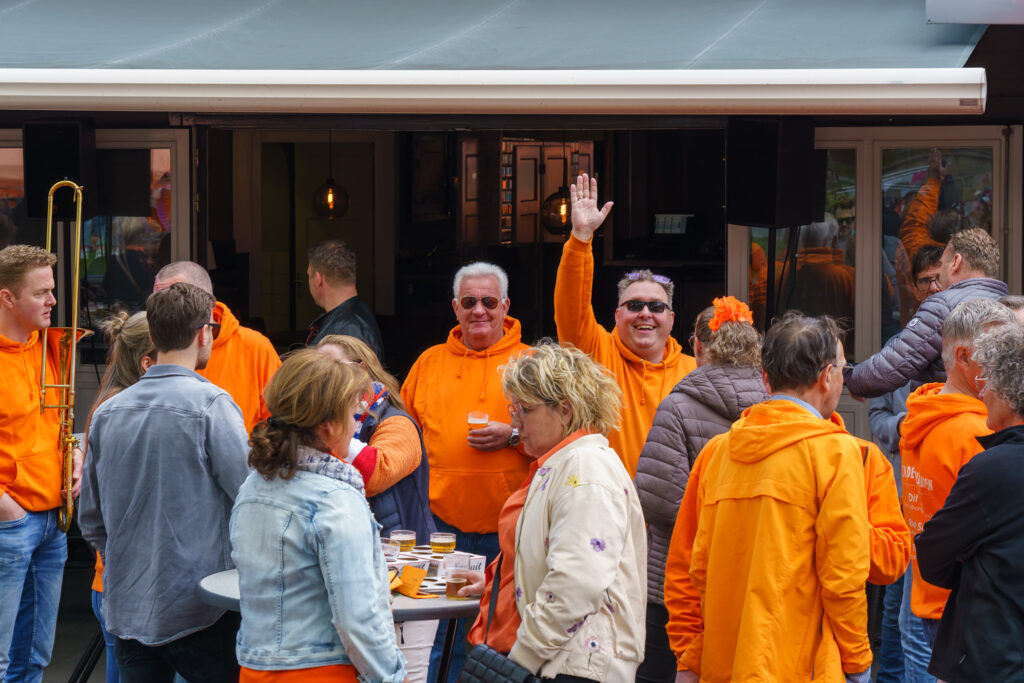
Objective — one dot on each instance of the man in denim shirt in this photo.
(166, 457)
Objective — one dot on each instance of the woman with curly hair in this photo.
(705, 403)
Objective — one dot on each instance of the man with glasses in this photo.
(166, 457)
(475, 466)
(242, 360)
(938, 437)
(641, 353)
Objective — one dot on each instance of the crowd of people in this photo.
(645, 514)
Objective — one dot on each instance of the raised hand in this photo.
(586, 217)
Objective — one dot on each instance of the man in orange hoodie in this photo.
(32, 549)
(641, 353)
(782, 541)
(938, 437)
(243, 360)
(472, 470)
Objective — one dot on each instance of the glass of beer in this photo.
(452, 586)
(405, 537)
(442, 542)
(390, 548)
(477, 420)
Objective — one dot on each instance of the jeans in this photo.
(478, 544)
(32, 555)
(659, 665)
(890, 655)
(206, 656)
(113, 676)
(916, 650)
(931, 630)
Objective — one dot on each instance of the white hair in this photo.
(968, 321)
(481, 269)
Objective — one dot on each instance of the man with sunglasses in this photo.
(472, 470)
(166, 457)
(242, 360)
(641, 353)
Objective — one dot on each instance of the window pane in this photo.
(927, 194)
(815, 271)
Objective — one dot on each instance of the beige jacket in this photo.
(581, 567)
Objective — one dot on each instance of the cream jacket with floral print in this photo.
(581, 567)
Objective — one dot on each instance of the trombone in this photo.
(67, 339)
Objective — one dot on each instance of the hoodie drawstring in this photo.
(483, 385)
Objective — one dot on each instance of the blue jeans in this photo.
(206, 656)
(916, 650)
(478, 544)
(890, 654)
(32, 555)
(108, 638)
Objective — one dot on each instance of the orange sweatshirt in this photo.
(467, 486)
(30, 457)
(939, 437)
(397, 445)
(915, 229)
(241, 363)
(643, 384)
(781, 551)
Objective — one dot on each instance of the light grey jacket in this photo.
(166, 457)
(703, 404)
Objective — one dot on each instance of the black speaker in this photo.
(53, 151)
(774, 176)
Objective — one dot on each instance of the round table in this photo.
(221, 590)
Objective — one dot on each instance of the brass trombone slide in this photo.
(67, 340)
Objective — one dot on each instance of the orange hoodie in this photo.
(938, 439)
(781, 551)
(914, 230)
(30, 457)
(643, 384)
(241, 363)
(467, 487)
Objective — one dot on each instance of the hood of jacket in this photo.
(511, 337)
(228, 323)
(11, 346)
(927, 408)
(727, 390)
(766, 428)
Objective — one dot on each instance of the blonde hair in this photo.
(356, 349)
(735, 343)
(550, 373)
(129, 344)
(308, 390)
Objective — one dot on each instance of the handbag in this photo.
(484, 664)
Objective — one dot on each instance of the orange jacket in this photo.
(241, 363)
(915, 229)
(643, 384)
(30, 457)
(938, 439)
(780, 553)
(467, 487)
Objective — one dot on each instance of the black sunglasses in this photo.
(214, 327)
(637, 305)
(489, 302)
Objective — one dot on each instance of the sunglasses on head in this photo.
(637, 305)
(637, 275)
(489, 302)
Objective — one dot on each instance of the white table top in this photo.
(221, 590)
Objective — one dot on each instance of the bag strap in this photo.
(495, 587)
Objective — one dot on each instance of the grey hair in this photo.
(1014, 302)
(1000, 353)
(481, 269)
(192, 272)
(968, 321)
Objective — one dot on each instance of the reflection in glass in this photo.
(814, 264)
(927, 195)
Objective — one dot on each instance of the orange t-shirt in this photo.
(335, 673)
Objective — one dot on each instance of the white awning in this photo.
(730, 91)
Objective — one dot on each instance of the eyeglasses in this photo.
(982, 383)
(518, 410)
(637, 305)
(214, 327)
(489, 302)
(923, 284)
(640, 275)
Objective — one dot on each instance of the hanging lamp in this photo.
(330, 199)
(556, 209)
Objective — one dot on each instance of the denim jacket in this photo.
(311, 573)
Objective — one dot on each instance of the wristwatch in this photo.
(513, 438)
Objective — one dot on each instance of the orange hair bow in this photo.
(729, 309)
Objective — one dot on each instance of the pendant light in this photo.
(330, 199)
(556, 209)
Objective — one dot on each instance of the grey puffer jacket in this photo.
(916, 352)
(705, 403)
